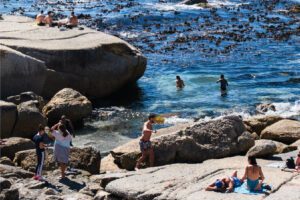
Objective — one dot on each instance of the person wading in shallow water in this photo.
(145, 143)
(179, 82)
(223, 85)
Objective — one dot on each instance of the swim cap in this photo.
(218, 184)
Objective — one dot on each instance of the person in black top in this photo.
(40, 152)
(223, 85)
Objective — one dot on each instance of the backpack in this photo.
(290, 163)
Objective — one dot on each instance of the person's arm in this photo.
(227, 83)
(230, 186)
(72, 128)
(42, 145)
(55, 127)
(244, 176)
(211, 187)
(218, 81)
(262, 177)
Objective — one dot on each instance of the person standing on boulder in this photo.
(40, 152)
(223, 85)
(145, 143)
(61, 147)
(68, 124)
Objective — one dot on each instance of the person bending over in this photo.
(145, 143)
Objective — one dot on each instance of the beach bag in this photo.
(290, 163)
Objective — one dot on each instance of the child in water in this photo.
(223, 85)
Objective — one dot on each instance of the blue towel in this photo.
(244, 190)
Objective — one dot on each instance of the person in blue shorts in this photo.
(226, 184)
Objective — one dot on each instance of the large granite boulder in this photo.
(29, 119)
(8, 116)
(86, 159)
(262, 149)
(286, 131)
(20, 72)
(13, 145)
(70, 103)
(283, 148)
(92, 62)
(202, 141)
(259, 123)
(27, 96)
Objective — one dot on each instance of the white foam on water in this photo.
(286, 109)
(176, 120)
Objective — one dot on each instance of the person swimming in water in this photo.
(179, 82)
(254, 176)
(226, 184)
(145, 143)
(223, 85)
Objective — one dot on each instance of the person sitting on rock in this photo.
(49, 19)
(38, 139)
(179, 82)
(72, 21)
(226, 184)
(145, 143)
(254, 176)
(61, 147)
(223, 85)
(40, 19)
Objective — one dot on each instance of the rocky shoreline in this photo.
(188, 157)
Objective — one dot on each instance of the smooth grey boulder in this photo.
(92, 62)
(20, 72)
(13, 145)
(286, 131)
(70, 103)
(263, 148)
(214, 139)
(8, 116)
(27, 96)
(29, 119)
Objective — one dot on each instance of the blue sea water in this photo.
(259, 69)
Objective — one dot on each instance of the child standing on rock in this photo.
(40, 152)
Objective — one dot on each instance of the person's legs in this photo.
(234, 174)
(151, 157)
(38, 166)
(63, 169)
(141, 159)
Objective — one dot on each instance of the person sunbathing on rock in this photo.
(71, 21)
(254, 176)
(40, 19)
(226, 184)
(49, 19)
(145, 143)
